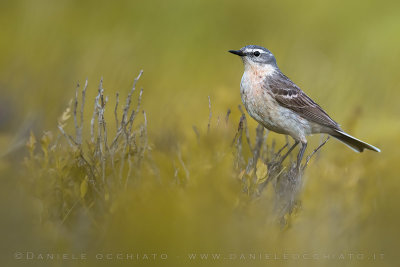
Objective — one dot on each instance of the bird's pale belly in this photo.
(264, 109)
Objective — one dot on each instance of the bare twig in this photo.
(95, 112)
(265, 146)
(133, 114)
(321, 140)
(105, 124)
(246, 128)
(239, 157)
(79, 137)
(101, 126)
(196, 131)
(315, 150)
(272, 149)
(270, 178)
(122, 127)
(259, 140)
(257, 149)
(281, 149)
(227, 116)
(129, 171)
(69, 138)
(128, 99)
(116, 110)
(288, 152)
(75, 113)
(238, 132)
(144, 136)
(183, 165)
(69, 211)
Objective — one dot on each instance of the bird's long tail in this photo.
(352, 142)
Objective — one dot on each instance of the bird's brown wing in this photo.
(289, 95)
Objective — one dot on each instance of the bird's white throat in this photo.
(259, 69)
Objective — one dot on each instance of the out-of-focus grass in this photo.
(343, 54)
(195, 197)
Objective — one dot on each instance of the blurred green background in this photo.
(344, 54)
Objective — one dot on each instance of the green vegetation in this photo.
(166, 169)
(116, 176)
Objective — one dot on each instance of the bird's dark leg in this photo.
(290, 150)
(301, 154)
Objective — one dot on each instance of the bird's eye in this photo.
(256, 53)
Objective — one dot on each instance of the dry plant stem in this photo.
(281, 149)
(142, 149)
(128, 99)
(270, 178)
(131, 136)
(88, 165)
(101, 126)
(246, 128)
(107, 150)
(129, 171)
(122, 127)
(321, 140)
(75, 113)
(69, 138)
(196, 131)
(259, 138)
(315, 150)
(79, 136)
(78, 142)
(288, 142)
(238, 138)
(126, 128)
(257, 149)
(116, 110)
(144, 136)
(124, 151)
(227, 116)
(265, 147)
(93, 119)
(240, 128)
(289, 151)
(133, 114)
(69, 212)
(187, 174)
(271, 150)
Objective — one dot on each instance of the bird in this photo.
(278, 104)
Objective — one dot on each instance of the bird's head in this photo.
(256, 56)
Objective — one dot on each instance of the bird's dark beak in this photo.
(237, 52)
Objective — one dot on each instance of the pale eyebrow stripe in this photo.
(253, 50)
